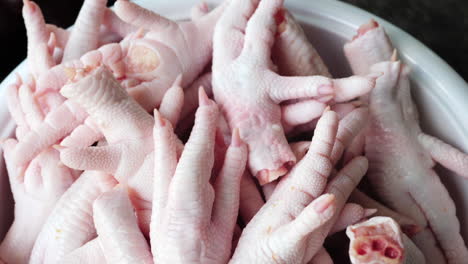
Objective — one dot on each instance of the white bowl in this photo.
(439, 91)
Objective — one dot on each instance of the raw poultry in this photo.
(100, 160)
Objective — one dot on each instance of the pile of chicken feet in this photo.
(101, 170)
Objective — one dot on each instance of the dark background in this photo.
(441, 25)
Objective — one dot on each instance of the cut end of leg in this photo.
(375, 250)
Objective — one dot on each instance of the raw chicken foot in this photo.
(37, 185)
(193, 220)
(292, 225)
(394, 129)
(249, 91)
(128, 129)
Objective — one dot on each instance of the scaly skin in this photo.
(90, 252)
(288, 229)
(292, 52)
(151, 59)
(128, 129)
(85, 34)
(37, 185)
(44, 41)
(370, 46)
(193, 220)
(119, 236)
(173, 204)
(408, 225)
(379, 240)
(146, 62)
(70, 224)
(394, 129)
(251, 200)
(249, 91)
(119, 239)
(295, 56)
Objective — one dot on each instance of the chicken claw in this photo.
(249, 91)
(293, 224)
(190, 214)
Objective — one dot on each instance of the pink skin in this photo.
(370, 46)
(44, 41)
(302, 117)
(119, 237)
(292, 51)
(128, 129)
(394, 128)
(408, 225)
(144, 63)
(322, 257)
(295, 56)
(287, 228)
(85, 34)
(62, 117)
(90, 252)
(37, 185)
(191, 103)
(154, 60)
(190, 214)
(167, 197)
(39, 54)
(350, 125)
(380, 240)
(70, 224)
(371, 42)
(392, 101)
(351, 214)
(251, 201)
(116, 224)
(241, 64)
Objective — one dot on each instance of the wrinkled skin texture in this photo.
(36, 186)
(193, 220)
(144, 62)
(291, 226)
(119, 239)
(408, 225)
(119, 236)
(88, 253)
(128, 129)
(49, 45)
(249, 91)
(204, 236)
(46, 44)
(394, 129)
(188, 48)
(379, 240)
(70, 224)
(292, 52)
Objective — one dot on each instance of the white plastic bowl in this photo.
(441, 94)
